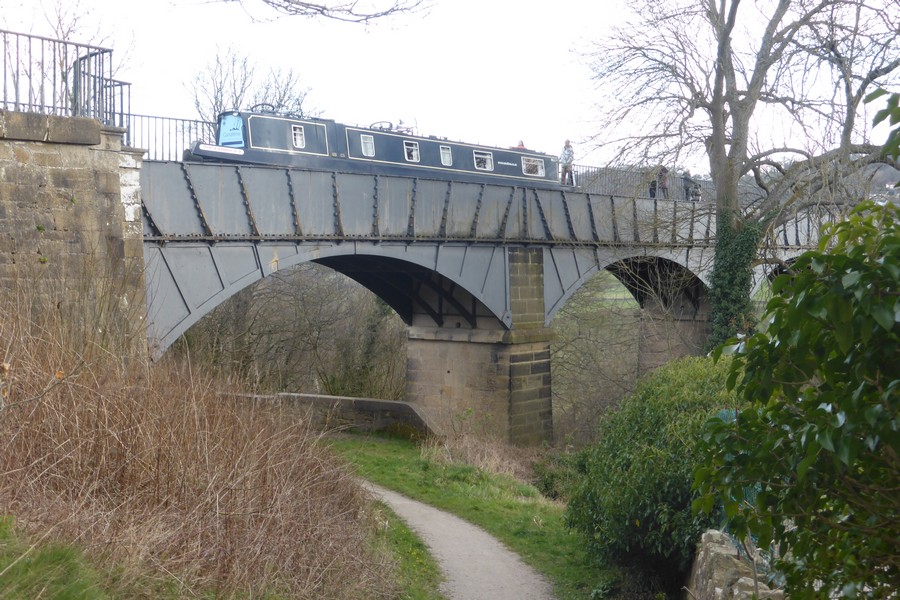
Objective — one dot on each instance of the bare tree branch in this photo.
(743, 82)
(350, 11)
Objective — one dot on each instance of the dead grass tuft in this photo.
(161, 471)
(492, 456)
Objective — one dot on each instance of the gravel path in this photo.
(475, 565)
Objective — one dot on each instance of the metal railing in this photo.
(51, 76)
(636, 183)
(165, 138)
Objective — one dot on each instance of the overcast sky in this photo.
(485, 71)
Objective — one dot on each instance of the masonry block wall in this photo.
(460, 380)
(493, 383)
(665, 336)
(530, 399)
(70, 222)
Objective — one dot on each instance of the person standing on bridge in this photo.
(566, 158)
(662, 183)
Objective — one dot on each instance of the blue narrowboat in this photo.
(267, 138)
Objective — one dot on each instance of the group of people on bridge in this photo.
(659, 185)
(659, 182)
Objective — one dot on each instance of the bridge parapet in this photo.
(227, 202)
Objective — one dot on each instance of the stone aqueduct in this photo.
(477, 272)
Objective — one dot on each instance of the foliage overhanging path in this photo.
(475, 564)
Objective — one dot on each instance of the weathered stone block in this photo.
(523, 396)
(25, 126)
(48, 159)
(519, 370)
(719, 572)
(73, 130)
(520, 357)
(540, 367)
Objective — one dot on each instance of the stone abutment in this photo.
(70, 227)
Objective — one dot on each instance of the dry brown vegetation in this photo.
(492, 456)
(174, 484)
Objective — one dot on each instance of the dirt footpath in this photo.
(476, 566)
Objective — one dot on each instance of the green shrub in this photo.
(633, 502)
(556, 473)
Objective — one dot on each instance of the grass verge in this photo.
(510, 510)
(417, 573)
(43, 570)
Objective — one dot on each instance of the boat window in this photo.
(411, 149)
(231, 131)
(368, 144)
(533, 166)
(484, 161)
(298, 136)
(446, 156)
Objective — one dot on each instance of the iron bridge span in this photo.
(438, 252)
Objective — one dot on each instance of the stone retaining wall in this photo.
(357, 414)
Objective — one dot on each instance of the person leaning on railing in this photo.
(690, 186)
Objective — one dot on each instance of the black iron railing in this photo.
(640, 183)
(165, 138)
(50, 76)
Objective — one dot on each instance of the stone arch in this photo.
(675, 308)
(674, 300)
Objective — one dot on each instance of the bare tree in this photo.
(770, 90)
(307, 329)
(231, 81)
(352, 11)
(594, 356)
(68, 21)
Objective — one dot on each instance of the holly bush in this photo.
(633, 500)
(810, 466)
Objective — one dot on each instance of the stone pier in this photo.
(489, 381)
(665, 337)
